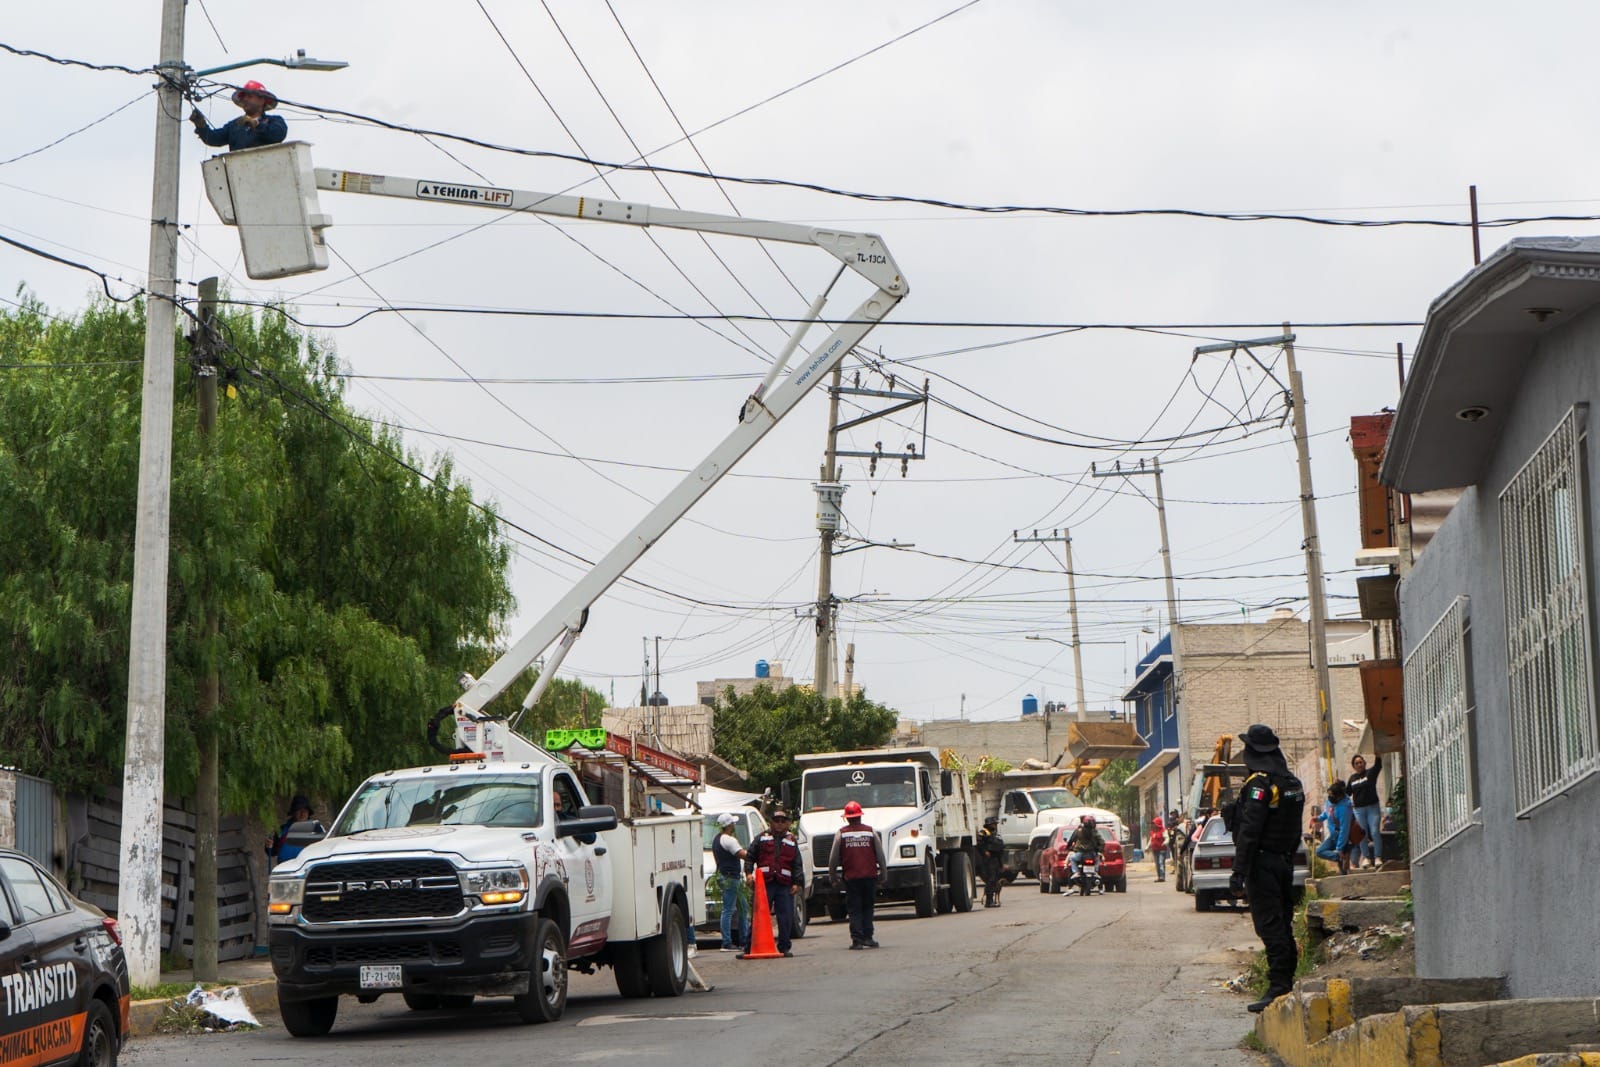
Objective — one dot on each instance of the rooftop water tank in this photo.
(763, 669)
(1030, 705)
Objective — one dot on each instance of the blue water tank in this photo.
(763, 669)
(1030, 705)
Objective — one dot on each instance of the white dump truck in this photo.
(923, 814)
(493, 875)
(1028, 804)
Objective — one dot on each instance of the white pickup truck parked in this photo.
(923, 814)
(477, 879)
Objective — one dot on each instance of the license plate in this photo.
(386, 977)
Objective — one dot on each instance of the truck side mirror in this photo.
(786, 794)
(947, 784)
(591, 819)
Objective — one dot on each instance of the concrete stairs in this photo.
(1357, 901)
(1416, 1022)
(1420, 1022)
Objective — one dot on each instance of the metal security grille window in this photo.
(1543, 515)
(1442, 778)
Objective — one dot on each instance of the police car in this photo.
(63, 977)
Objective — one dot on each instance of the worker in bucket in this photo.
(254, 129)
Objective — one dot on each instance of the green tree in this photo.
(352, 589)
(761, 733)
(1111, 791)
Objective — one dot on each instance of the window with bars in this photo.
(1441, 733)
(1543, 533)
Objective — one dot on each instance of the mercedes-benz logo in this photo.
(858, 777)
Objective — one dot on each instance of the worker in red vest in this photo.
(859, 850)
(776, 854)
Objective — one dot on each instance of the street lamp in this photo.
(298, 61)
(143, 771)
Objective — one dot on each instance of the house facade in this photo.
(1498, 622)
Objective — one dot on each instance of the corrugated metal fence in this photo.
(36, 818)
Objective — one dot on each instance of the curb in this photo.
(144, 1016)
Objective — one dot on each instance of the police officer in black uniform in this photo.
(1266, 833)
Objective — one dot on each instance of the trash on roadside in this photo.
(226, 1006)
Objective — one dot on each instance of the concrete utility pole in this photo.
(143, 778)
(1185, 758)
(849, 671)
(1313, 548)
(829, 493)
(204, 342)
(1064, 538)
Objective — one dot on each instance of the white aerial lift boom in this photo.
(262, 189)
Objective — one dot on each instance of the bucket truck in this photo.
(493, 875)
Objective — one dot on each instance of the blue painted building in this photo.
(1152, 710)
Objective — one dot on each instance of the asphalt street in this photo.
(1121, 979)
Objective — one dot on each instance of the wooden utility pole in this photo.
(1064, 538)
(143, 768)
(1185, 758)
(1317, 600)
(204, 342)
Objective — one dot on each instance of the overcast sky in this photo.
(1356, 111)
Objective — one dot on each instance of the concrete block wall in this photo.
(8, 809)
(1236, 674)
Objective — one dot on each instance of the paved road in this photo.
(1120, 979)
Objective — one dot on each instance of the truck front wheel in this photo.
(666, 956)
(961, 881)
(309, 1018)
(926, 891)
(546, 997)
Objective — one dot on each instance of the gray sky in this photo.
(1366, 111)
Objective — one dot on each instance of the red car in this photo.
(1055, 861)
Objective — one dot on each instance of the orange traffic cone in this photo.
(762, 947)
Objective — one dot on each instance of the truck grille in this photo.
(325, 956)
(382, 889)
(821, 847)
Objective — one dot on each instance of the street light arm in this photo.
(298, 61)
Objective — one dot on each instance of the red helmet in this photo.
(259, 90)
(852, 810)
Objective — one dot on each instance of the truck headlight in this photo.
(502, 885)
(284, 895)
(908, 852)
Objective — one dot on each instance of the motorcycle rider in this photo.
(1084, 843)
(991, 857)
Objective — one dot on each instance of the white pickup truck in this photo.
(923, 814)
(481, 878)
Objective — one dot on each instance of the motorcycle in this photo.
(1088, 877)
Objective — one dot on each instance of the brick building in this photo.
(1235, 674)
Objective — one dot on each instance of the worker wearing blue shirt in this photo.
(254, 129)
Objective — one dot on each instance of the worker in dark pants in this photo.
(859, 850)
(1266, 832)
(776, 854)
(991, 860)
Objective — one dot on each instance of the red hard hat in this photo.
(852, 809)
(260, 90)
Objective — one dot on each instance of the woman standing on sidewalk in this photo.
(1363, 788)
(1158, 847)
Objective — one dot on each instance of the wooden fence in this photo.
(94, 856)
